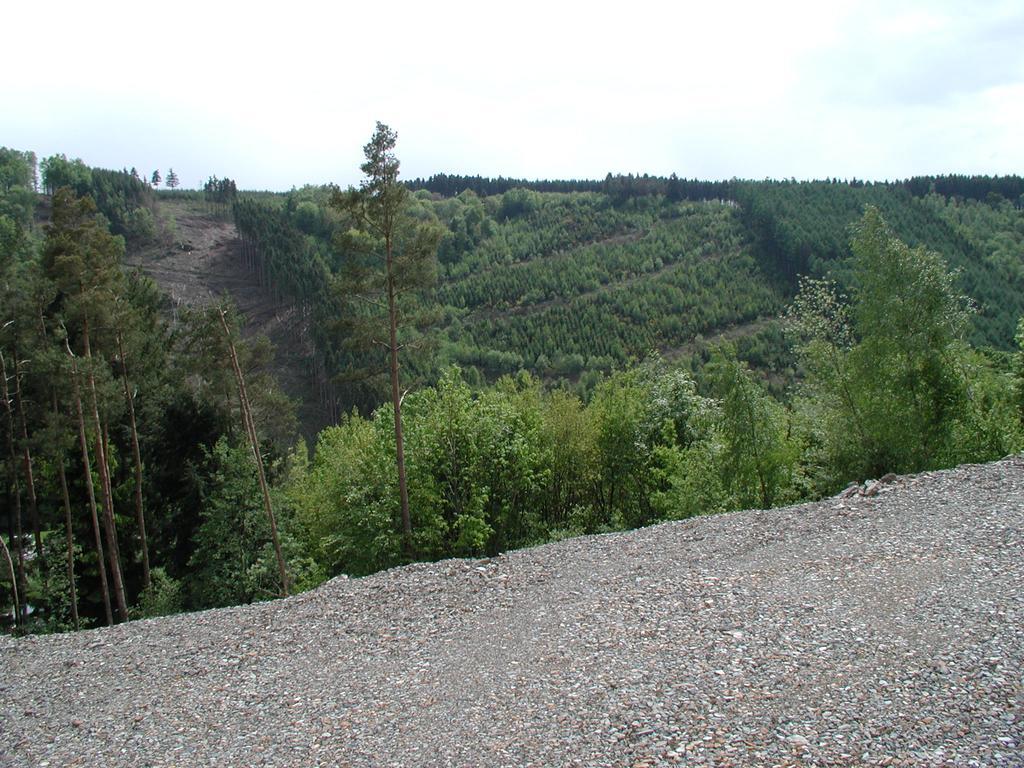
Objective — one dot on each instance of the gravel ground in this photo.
(882, 629)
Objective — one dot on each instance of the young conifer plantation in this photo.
(501, 362)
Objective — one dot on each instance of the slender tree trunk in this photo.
(109, 527)
(116, 545)
(87, 468)
(250, 429)
(30, 483)
(137, 458)
(14, 579)
(66, 497)
(396, 402)
(68, 530)
(18, 537)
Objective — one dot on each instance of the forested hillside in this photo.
(570, 284)
(538, 359)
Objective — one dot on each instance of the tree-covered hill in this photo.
(498, 342)
(803, 229)
(568, 279)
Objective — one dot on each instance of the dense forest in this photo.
(537, 359)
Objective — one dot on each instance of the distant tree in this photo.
(220, 190)
(172, 179)
(391, 259)
(59, 172)
(155, 178)
(17, 169)
(674, 189)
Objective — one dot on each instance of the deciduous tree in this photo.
(886, 379)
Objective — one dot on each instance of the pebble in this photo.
(883, 629)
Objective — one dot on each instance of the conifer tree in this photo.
(140, 516)
(390, 259)
(250, 431)
(83, 258)
(12, 458)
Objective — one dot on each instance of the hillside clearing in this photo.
(202, 266)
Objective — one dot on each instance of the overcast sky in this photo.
(285, 97)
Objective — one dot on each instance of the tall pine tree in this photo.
(390, 262)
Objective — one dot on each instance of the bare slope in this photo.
(865, 631)
(201, 264)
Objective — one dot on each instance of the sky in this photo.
(280, 95)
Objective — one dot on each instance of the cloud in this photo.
(284, 96)
(921, 54)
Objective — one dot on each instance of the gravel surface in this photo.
(879, 629)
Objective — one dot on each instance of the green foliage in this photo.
(1019, 370)
(48, 589)
(617, 298)
(17, 189)
(989, 425)
(126, 201)
(566, 285)
(511, 466)
(888, 380)
(571, 281)
(56, 288)
(518, 202)
(17, 169)
(59, 172)
(81, 257)
(164, 597)
(802, 229)
(233, 560)
(346, 506)
(139, 225)
(655, 435)
(759, 457)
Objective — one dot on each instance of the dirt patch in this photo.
(199, 262)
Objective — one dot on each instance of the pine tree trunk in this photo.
(137, 458)
(87, 468)
(17, 538)
(109, 527)
(396, 399)
(14, 578)
(30, 483)
(68, 533)
(250, 429)
(66, 497)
